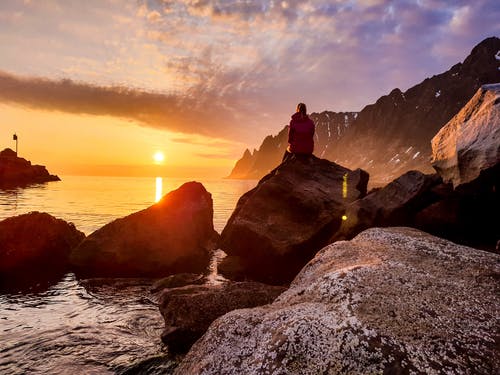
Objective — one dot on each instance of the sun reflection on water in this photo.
(159, 188)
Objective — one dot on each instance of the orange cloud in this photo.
(179, 114)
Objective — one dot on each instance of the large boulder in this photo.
(466, 153)
(188, 311)
(35, 244)
(278, 226)
(470, 142)
(393, 205)
(393, 300)
(172, 236)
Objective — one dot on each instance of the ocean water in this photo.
(90, 202)
(90, 326)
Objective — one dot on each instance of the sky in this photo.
(97, 87)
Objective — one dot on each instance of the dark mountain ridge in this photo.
(393, 135)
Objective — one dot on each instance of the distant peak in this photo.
(396, 92)
(491, 41)
(487, 47)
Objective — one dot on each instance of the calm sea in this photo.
(90, 326)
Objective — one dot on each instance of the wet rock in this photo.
(393, 300)
(175, 235)
(470, 142)
(178, 280)
(395, 204)
(278, 226)
(16, 171)
(34, 245)
(188, 311)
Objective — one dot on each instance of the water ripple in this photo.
(88, 331)
(95, 326)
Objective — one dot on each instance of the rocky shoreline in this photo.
(324, 277)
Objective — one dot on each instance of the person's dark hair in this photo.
(301, 107)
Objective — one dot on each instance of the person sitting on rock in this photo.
(300, 134)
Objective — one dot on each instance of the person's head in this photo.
(302, 109)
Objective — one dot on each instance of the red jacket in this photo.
(300, 134)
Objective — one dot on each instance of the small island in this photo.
(16, 171)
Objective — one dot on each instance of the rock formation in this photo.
(330, 126)
(392, 136)
(467, 215)
(466, 154)
(188, 311)
(35, 245)
(278, 226)
(175, 235)
(16, 171)
(470, 142)
(395, 204)
(392, 300)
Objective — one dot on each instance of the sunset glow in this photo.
(159, 157)
(96, 87)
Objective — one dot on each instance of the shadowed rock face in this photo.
(15, 171)
(470, 142)
(278, 226)
(468, 214)
(393, 300)
(188, 311)
(35, 244)
(466, 153)
(175, 235)
(395, 204)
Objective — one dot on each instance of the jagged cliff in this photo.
(393, 135)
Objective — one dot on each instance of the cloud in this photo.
(230, 69)
(214, 156)
(154, 16)
(202, 141)
(336, 55)
(169, 112)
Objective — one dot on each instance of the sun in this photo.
(158, 157)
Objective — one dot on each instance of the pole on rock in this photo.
(14, 137)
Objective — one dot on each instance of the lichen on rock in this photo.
(392, 300)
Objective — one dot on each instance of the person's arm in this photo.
(290, 132)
